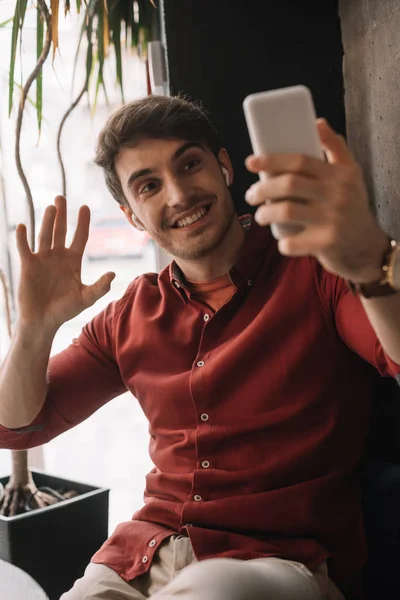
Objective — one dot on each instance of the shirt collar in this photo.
(251, 257)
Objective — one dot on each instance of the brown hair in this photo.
(156, 117)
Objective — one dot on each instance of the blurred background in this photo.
(109, 449)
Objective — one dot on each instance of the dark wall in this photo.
(219, 51)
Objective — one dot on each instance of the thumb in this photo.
(334, 145)
(97, 290)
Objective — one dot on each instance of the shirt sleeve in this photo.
(81, 379)
(352, 323)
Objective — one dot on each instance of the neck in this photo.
(220, 261)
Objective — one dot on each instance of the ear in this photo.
(226, 165)
(226, 176)
(132, 218)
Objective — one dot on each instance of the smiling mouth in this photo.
(196, 216)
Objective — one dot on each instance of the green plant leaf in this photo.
(86, 31)
(114, 19)
(28, 98)
(100, 35)
(134, 27)
(89, 52)
(83, 33)
(18, 22)
(5, 23)
(105, 22)
(39, 79)
(99, 82)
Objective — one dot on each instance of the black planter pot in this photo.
(55, 544)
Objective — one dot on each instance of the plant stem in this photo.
(60, 129)
(20, 474)
(84, 90)
(42, 6)
(3, 281)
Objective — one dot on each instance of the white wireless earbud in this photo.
(225, 174)
(137, 222)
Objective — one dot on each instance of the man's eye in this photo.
(192, 164)
(149, 187)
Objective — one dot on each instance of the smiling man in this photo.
(178, 190)
(193, 217)
(253, 361)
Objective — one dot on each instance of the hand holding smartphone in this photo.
(279, 122)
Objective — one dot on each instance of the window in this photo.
(110, 448)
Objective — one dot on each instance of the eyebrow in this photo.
(181, 150)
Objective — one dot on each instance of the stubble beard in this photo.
(200, 246)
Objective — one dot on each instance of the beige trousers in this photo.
(176, 574)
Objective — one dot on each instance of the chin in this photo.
(196, 250)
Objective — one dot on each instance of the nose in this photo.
(177, 193)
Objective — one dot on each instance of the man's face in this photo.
(178, 193)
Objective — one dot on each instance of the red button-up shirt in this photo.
(258, 415)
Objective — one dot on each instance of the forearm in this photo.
(23, 384)
(384, 316)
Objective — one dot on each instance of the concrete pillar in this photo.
(371, 40)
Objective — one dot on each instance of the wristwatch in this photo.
(389, 283)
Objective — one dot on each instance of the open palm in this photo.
(50, 290)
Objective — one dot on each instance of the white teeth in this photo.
(192, 219)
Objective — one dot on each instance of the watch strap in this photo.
(380, 287)
(372, 290)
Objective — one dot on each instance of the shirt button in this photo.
(152, 543)
(145, 559)
(200, 363)
(250, 283)
(204, 417)
(206, 317)
(177, 284)
(205, 464)
(197, 498)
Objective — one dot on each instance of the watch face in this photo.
(396, 269)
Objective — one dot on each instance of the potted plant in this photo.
(40, 513)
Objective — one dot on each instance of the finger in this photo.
(82, 230)
(60, 223)
(21, 237)
(308, 242)
(94, 292)
(276, 164)
(334, 145)
(288, 212)
(46, 229)
(282, 187)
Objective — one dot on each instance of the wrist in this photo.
(34, 331)
(372, 271)
(388, 280)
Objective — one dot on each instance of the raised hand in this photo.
(328, 200)
(50, 288)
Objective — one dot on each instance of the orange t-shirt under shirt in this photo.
(214, 293)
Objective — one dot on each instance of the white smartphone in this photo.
(283, 121)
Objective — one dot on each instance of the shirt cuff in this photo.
(36, 425)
